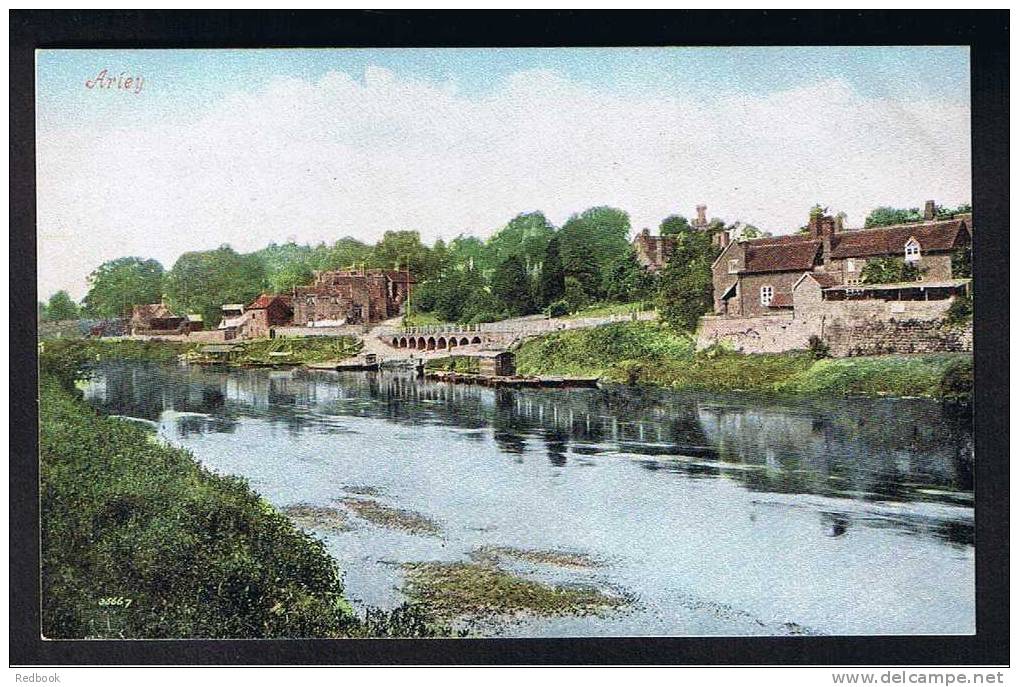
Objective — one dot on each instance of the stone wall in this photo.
(865, 327)
(877, 337)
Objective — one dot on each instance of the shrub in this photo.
(957, 381)
(558, 308)
(961, 310)
(818, 348)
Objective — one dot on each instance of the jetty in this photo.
(512, 381)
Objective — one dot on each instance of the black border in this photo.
(986, 32)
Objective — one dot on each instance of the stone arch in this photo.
(421, 343)
(476, 340)
(396, 342)
(452, 341)
(465, 341)
(441, 343)
(430, 344)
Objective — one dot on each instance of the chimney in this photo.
(722, 239)
(929, 210)
(702, 219)
(827, 229)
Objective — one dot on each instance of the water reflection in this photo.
(868, 450)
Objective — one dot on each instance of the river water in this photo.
(716, 514)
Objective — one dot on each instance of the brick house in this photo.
(341, 297)
(268, 311)
(757, 277)
(653, 252)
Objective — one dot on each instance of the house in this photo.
(761, 276)
(195, 323)
(153, 319)
(234, 320)
(356, 296)
(268, 311)
(653, 252)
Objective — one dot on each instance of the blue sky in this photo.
(251, 146)
(183, 80)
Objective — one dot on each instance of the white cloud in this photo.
(320, 160)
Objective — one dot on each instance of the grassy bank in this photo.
(289, 350)
(296, 350)
(140, 541)
(653, 353)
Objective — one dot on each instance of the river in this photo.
(715, 514)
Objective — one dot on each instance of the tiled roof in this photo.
(151, 311)
(891, 240)
(785, 256)
(781, 300)
(825, 280)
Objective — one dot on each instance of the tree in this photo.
(404, 248)
(883, 216)
(574, 295)
(526, 236)
(289, 276)
(511, 286)
(589, 242)
(60, 307)
(673, 224)
(116, 286)
(626, 280)
(685, 287)
(551, 282)
(203, 281)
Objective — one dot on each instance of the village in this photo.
(771, 294)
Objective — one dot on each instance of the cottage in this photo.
(268, 311)
(760, 276)
(155, 319)
(339, 297)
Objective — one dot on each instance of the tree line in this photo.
(529, 266)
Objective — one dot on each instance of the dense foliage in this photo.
(686, 290)
(890, 270)
(118, 285)
(60, 307)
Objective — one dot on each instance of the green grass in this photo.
(196, 554)
(653, 353)
(606, 309)
(421, 319)
(308, 349)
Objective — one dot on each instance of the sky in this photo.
(248, 147)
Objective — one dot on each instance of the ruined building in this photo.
(360, 296)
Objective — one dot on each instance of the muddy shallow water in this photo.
(719, 514)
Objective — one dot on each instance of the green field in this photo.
(653, 353)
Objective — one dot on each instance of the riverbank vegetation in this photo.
(478, 591)
(658, 354)
(140, 541)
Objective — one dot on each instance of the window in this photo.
(766, 294)
(912, 250)
(733, 266)
(850, 265)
